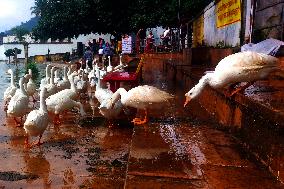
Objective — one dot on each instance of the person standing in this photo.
(149, 42)
(101, 50)
(166, 37)
(107, 51)
(140, 37)
(88, 56)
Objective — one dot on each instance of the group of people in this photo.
(148, 41)
(99, 47)
(144, 41)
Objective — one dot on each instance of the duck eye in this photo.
(190, 93)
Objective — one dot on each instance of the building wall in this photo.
(36, 49)
(227, 35)
(42, 48)
(268, 20)
(221, 25)
(2, 55)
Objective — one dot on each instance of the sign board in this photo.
(198, 31)
(228, 12)
(127, 45)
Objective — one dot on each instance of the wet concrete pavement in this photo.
(178, 148)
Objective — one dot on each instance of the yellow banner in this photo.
(228, 12)
(198, 31)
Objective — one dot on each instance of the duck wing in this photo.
(248, 59)
(146, 97)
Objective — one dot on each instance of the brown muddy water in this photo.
(178, 148)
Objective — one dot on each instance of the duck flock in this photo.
(58, 96)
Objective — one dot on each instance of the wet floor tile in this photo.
(154, 152)
(144, 182)
(238, 177)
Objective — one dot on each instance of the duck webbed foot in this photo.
(27, 144)
(38, 143)
(56, 120)
(232, 91)
(18, 123)
(139, 121)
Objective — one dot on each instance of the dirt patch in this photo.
(14, 176)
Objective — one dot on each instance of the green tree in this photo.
(68, 18)
(20, 33)
(16, 52)
(8, 53)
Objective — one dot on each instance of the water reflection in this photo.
(37, 164)
(19, 71)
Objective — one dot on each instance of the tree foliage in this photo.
(20, 33)
(9, 52)
(59, 19)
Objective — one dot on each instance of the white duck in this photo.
(70, 93)
(92, 83)
(109, 67)
(63, 101)
(97, 70)
(239, 67)
(106, 108)
(37, 120)
(10, 91)
(18, 105)
(51, 87)
(31, 87)
(143, 98)
(102, 94)
(87, 69)
(120, 66)
(64, 83)
(109, 111)
(82, 85)
(56, 77)
(78, 77)
(45, 81)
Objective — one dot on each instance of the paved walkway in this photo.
(180, 149)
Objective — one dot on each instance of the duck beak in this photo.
(187, 100)
(27, 76)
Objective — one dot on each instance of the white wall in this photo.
(2, 55)
(86, 38)
(42, 49)
(212, 35)
(36, 49)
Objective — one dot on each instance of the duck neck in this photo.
(69, 71)
(52, 76)
(65, 73)
(122, 93)
(56, 74)
(47, 72)
(12, 79)
(213, 81)
(73, 87)
(22, 88)
(120, 60)
(99, 80)
(42, 105)
(203, 82)
(109, 63)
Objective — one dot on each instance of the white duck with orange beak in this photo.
(239, 67)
